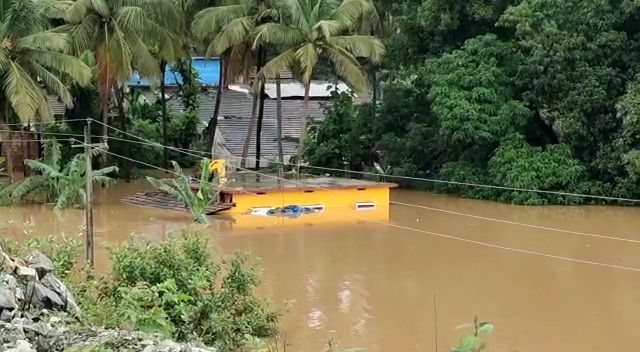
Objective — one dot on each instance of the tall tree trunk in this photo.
(247, 141)
(165, 117)
(262, 58)
(119, 95)
(303, 123)
(374, 81)
(213, 123)
(279, 120)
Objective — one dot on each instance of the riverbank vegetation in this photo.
(181, 289)
(524, 94)
(530, 94)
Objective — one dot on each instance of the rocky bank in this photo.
(39, 313)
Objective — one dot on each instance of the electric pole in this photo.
(88, 209)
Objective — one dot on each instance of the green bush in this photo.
(63, 250)
(517, 164)
(179, 288)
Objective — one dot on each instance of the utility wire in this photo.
(189, 152)
(462, 239)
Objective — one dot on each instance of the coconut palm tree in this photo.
(315, 29)
(229, 32)
(119, 33)
(32, 57)
(63, 185)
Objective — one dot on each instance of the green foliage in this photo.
(33, 56)
(519, 165)
(63, 250)
(342, 137)
(183, 128)
(180, 289)
(63, 185)
(473, 342)
(179, 187)
(463, 76)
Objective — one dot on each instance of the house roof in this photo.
(208, 74)
(235, 115)
(57, 107)
(318, 89)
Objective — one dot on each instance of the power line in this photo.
(24, 124)
(45, 133)
(468, 184)
(186, 151)
(516, 223)
(153, 166)
(462, 239)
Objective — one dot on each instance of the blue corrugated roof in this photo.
(208, 72)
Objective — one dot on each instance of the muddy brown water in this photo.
(372, 286)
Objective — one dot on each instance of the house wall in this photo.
(334, 199)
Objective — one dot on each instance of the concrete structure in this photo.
(249, 192)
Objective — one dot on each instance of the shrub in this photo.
(180, 289)
(63, 250)
(517, 164)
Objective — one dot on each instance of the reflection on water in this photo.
(372, 286)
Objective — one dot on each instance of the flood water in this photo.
(370, 285)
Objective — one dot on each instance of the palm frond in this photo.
(208, 22)
(351, 11)
(131, 18)
(5, 59)
(347, 67)
(297, 14)
(278, 34)
(279, 63)
(119, 55)
(63, 63)
(364, 46)
(307, 57)
(53, 83)
(85, 34)
(234, 33)
(47, 40)
(328, 28)
(79, 9)
(142, 59)
(22, 92)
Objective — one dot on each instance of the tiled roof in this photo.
(235, 114)
(57, 107)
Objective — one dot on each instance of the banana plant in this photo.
(197, 202)
(62, 185)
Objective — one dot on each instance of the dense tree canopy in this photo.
(540, 94)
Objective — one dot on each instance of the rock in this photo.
(169, 346)
(40, 328)
(40, 296)
(22, 346)
(9, 315)
(7, 298)
(26, 272)
(11, 283)
(40, 262)
(54, 284)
